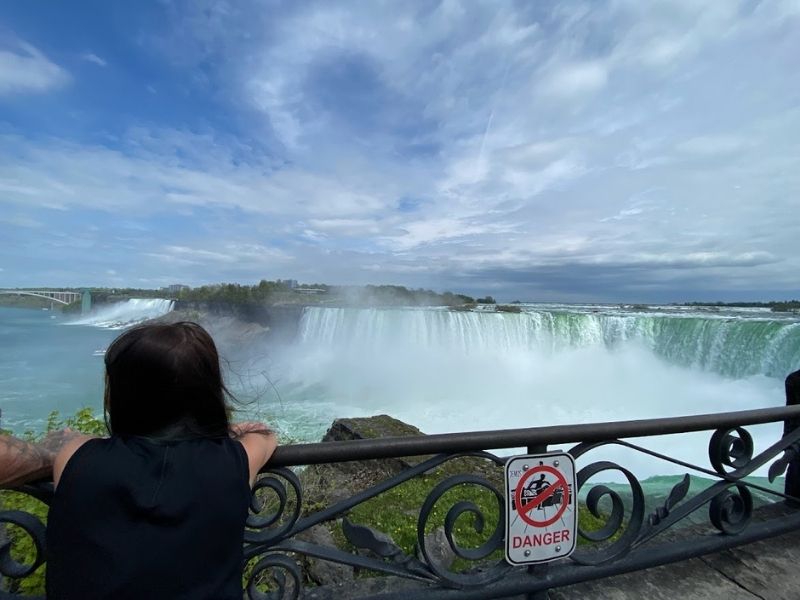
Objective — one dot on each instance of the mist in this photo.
(352, 363)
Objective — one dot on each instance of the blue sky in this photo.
(597, 151)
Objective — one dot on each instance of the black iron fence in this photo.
(626, 539)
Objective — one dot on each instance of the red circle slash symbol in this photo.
(526, 500)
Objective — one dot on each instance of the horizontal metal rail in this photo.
(393, 447)
(290, 510)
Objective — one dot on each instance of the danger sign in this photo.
(541, 512)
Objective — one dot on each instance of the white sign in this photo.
(541, 510)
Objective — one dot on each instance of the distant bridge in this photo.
(62, 297)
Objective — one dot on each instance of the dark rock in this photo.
(438, 548)
(323, 572)
(331, 483)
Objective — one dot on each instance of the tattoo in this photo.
(22, 461)
(240, 429)
(55, 440)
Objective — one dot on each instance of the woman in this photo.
(158, 509)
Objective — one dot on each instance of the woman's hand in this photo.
(21, 461)
(259, 443)
(240, 429)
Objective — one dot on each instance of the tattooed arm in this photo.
(21, 461)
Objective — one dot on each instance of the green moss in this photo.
(396, 511)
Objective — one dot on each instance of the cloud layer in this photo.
(605, 151)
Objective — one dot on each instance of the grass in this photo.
(396, 512)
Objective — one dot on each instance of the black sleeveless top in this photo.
(135, 519)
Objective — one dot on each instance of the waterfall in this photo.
(125, 314)
(448, 370)
(733, 347)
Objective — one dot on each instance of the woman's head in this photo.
(165, 381)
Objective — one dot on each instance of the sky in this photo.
(579, 151)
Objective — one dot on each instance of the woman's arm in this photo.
(21, 461)
(65, 453)
(259, 443)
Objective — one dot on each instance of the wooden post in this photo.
(792, 487)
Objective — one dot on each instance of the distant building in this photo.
(289, 283)
(310, 290)
(177, 288)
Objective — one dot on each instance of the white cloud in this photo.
(659, 138)
(711, 145)
(24, 69)
(20, 221)
(575, 79)
(93, 58)
(223, 255)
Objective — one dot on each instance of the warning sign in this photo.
(541, 512)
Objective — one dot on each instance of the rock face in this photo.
(234, 328)
(326, 484)
(323, 572)
(280, 320)
(330, 483)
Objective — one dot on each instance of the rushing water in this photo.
(446, 370)
(550, 364)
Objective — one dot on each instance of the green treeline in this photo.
(265, 293)
(234, 293)
(284, 292)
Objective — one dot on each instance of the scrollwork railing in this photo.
(625, 540)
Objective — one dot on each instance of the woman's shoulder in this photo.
(67, 452)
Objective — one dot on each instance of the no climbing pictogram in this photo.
(539, 488)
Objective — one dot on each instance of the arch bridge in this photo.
(60, 296)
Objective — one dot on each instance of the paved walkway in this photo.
(769, 570)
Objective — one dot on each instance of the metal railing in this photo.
(627, 539)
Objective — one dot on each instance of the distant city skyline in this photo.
(576, 152)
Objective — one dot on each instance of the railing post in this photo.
(538, 570)
(793, 472)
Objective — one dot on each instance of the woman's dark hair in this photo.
(165, 382)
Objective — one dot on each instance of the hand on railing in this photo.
(22, 462)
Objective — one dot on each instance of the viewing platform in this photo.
(318, 532)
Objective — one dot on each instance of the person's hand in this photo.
(55, 440)
(240, 429)
(259, 443)
(22, 461)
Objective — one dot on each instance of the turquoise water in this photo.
(46, 365)
(658, 488)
